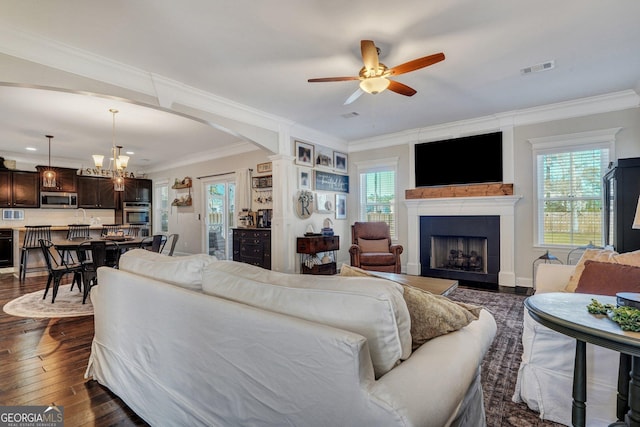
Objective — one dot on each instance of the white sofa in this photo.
(180, 356)
(545, 378)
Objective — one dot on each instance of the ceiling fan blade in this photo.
(355, 95)
(369, 56)
(333, 79)
(416, 64)
(401, 88)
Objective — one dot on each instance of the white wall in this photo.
(187, 220)
(520, 162)
(627, 145)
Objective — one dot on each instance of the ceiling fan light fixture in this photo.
(374, 85)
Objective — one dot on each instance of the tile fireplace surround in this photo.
(503, 206)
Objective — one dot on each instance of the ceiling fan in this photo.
(374, 76)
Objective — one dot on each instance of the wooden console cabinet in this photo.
(310, 246)
(252, 246)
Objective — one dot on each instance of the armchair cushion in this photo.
(379, 245)
(377, 258)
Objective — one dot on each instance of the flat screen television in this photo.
(468, 160)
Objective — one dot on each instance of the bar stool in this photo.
(32, 236)
(110, 229)
(134, 230)
(78, 232)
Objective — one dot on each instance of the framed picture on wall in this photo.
(264, 167)
(324, 157)
(341, 206)
(305, 178)
(340, 161)
(304, 154)
(324, 202)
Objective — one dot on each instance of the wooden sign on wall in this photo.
(327, 181)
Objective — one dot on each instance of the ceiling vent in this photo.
(350, 115)
(545, 66)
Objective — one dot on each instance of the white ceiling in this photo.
(261, 53)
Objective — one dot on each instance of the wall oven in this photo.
(137, 213)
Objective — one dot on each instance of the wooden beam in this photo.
(472, 190)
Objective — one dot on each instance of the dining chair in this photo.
(154, 243)
(31, 242)
(93, 255)
(75, 232)
(58, 268)
(172, 239)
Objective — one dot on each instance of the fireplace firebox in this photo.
(463, 248)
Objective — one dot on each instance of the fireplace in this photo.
(464, 248)
(502, 207)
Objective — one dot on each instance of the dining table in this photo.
(123, 243)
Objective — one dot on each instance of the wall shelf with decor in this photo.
(180, 186)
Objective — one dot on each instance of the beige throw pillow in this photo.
(601, 255)
(431, 315)
(381, 245)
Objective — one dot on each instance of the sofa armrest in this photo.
(553, 277)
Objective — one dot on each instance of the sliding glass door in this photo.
(219, 196)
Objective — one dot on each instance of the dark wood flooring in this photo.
(42, 362)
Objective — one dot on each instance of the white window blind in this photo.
(378, 197)
(570, 211)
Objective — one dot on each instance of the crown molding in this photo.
(598, 104)
(168, 93)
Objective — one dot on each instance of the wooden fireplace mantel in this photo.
(471, 190)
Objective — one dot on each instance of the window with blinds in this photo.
(378, 197)
(570, 196)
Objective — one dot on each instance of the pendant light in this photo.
(117, 171)
(49, 175)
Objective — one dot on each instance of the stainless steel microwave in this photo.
(51, 199)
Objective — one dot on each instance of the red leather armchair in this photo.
(371, 248)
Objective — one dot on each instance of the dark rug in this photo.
(500, 365)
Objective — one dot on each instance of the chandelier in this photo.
(117, 163)
(49, 176)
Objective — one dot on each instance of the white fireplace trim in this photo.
(503, 206)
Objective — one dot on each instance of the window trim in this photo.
(598, 139)
(156, 224)
(380, 165)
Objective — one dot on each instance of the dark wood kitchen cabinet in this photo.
(66, 179)
(19, 189)
(96, 192)
(252, 246)
(137, 190)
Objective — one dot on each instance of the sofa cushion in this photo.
(604, 278)
(379, 245)
(601, 255)
(431, 315)
(371, 307)
(184, 271)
